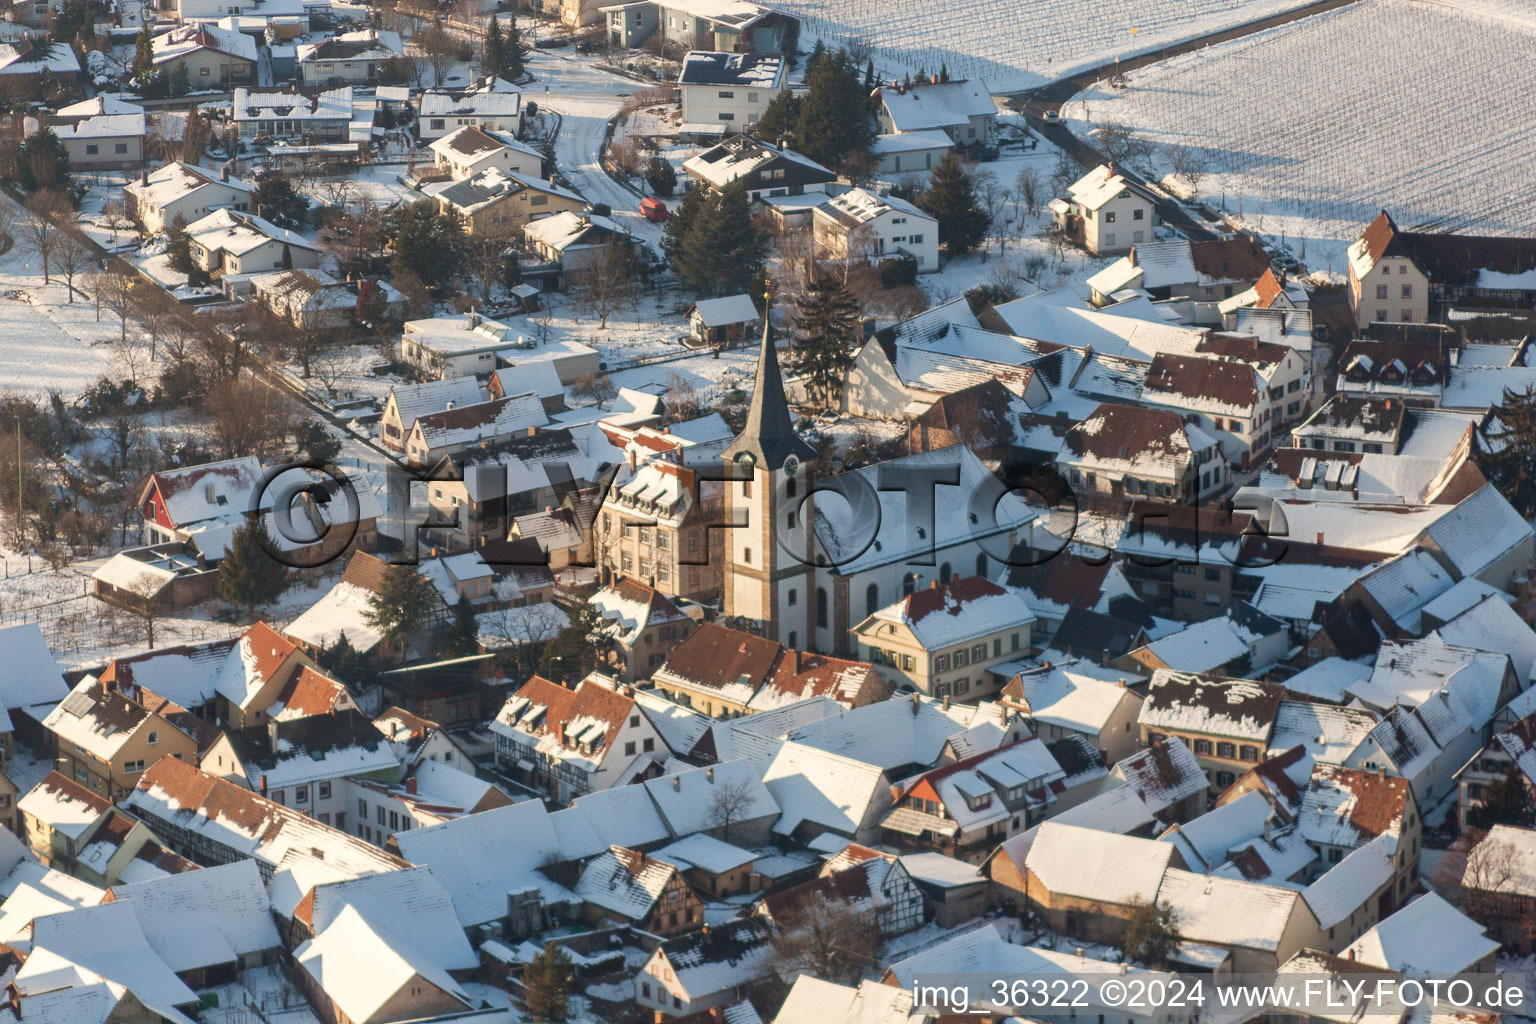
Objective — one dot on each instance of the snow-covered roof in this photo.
(951, 613)
(64, 805)
(1099, 186)
(168, 184)
(686, 799)
(240, 233)
(706, 853)
(821, 788)
(1088, 864)
(106, 126)
(410, 902)
(1428, 936)
(360, 970)
(187, 39)
(857, 206)
(1479, 531)
(911, 142)
(1347, 808)
(1205, 841)
(722, 959)
(342, 610)
(1201, 647)
(568, 228)
(744, 70)
(1077, 695)
(1328, 733)
(1351, 882)
(1236, 708)
(1227, 911)
(1162, 775)
(1508, 865)
(359, 45)
(728, 309)
(204, 918)
(99, 105)
(936, 104)
(625, 882)
(30, 676)
(108, 941)
(618, 816)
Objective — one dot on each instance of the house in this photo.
(725, 321)
(575, 242)
(105, 142)
(460, 346)
(291, 115)
(465, 152)
(1107, 212)
(912, 154)
(1165, 777)
(1498, 886)
(571, 742)
(227, 242)
(106, 734)
(627, 887)
(767, 171)
(1203, 272)
(941, 641)
(30, 686)
(726, 800)
(1340, 813)
(1226, 722)
(1414, 371)
(409, 902)
(477, 491)
(538, 376)
(705, 969)
(210, 55)
(120, 850)
(183, 190)
(858, 224)
(1242, 642)
(1084, 882)
(1131, 450)
(710, 865)
(963, 809)
(1427, 936)
(963, 110)
(428, 793)
(313, 300)
(492, 104)
(24, 62)
(57, 815)
(254, 673)
(354, 974)
(644, 626)
(1077, 698)
(864, 880)
(347, 58)
(1371, 425)
(1512, 751)
(727, 92)
(496, 202)
(736, 27)
(728, 672)
(1225, 398)
(436, 435)
(1260, 925)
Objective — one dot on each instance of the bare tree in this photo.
(157, 312)
(487, 258)
(114, 292)
(525, 631)
(825, 938)
(1119, 143)
(73, 255)
(438, 49)
(339, 192)
(1188, 165)
(1030, 189)
(248, 417)
(729, 805)
(41, 230)
(594, 389)
(1490, 867)
(994, 197)
(144, 605)
(610, 281)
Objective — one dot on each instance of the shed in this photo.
(724, 321)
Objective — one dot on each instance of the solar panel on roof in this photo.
(79, 704)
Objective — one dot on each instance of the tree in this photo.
(438, 48)
(993, 198)
(343, 661)
(779, 118)
(516, 61)
(403, 602)
(46, 163)
(828, 939)
(575, 651)
(1506, 801)
(249, 577)
(41, 231)
(144, 52)
(1509, 458)
(676, 244)
(951, 200)
(486, 254)
(834, 118)
(247, 417)
(113, 290)
(1030, 189)
(279, 202)
(1151, 933)
(75, 254)
(464, 639)
(1188, 165)
(426, 243)
(660, 176)
(493, 57)
(827, 318)
(592, 388)
(729, 805)
(610, 281)
(316, 444)
(547, 987)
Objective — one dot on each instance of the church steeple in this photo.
(769, 435)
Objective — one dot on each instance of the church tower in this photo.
(768, 575)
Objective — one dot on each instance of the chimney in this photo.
(1002, 715)
(677, 783)
(144, 177)
(224, 172)
(709, 773)
(449, 405)
(410, 785)
(1120, 683)
(715, 1012)
(933, 584)
(946, 702)
(916, 703)
(1104, 659)
(262, 787)
(533, 428)
(1319, 537)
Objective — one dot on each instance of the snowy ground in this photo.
(1441, 141)
(1020, 44)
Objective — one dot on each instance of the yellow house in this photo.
(499, 202)
(1385, 284)
(943, 641)
(105, 734)
(255, 673)
(57, 815)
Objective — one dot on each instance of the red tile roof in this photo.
(310, 693)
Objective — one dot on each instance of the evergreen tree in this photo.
(1151, 933)
(573, 653)
(181, 84)
(427, 243)
(178, 247)
(951, 200)
(827, 317)
(279, 202)
(660, 176)
(1509, 460)
(400, 607)
(515, 61)
(735, 249)
(943, 72)
(547, 987)
(869, 75)
(778, 118)
(344, 662)
(1506, 801)
(316, 444)
(287, 257)
(43, 163)
(834, 119)
(464, 640)
(144, 52)
(495, 60)
(249, 576)
(677, 245)
(818, 54)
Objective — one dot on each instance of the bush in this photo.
(897, 272)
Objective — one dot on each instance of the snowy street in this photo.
(587, 99)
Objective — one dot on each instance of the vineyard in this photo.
(1420, 107)
(1017, 44)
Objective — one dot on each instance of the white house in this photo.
(105, 141)
(1130, 451)
(183, 190)
(768, 171)
(962, 110)
(212, 55)
(351, 58)
(241, 243)
(1107, 212)
(467, 151)
(493, 104)
(326, 118)
(728, 91)
(862, 225)
(910, 153)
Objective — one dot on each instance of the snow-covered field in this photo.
(1312, 127)
(1020, 44)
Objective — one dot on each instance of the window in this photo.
(634, 723)
(960, 659)
(727, 94)
(645, 990)
(629, 749)
(362, 809)
(1013, 642)
(120, 147)
(91, 149)
(821, 607)
(997, 647)
(325, 787)
(751, 97)
(133, 766)
(941, 663)
(906, 663)
(1407, 291)
(871, 598)
(277, 796)
(394, 821)
(746, 556)
(648, 745)
(1139, 215)
(1381, 291)
(1225, 779)
(794, 638)
(945, 572)
(154, 737)
(1109, 240)
(1202, 746)
(378, 814)
(908, 584)
(1407, 316)
(1381, 314)
(1214, 575)
(1226, 750)
(1248, 753)
(727, 116)
(1109, 217)
(301, 794)
(979, 653)
(794, 597)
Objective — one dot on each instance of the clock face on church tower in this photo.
(791, 464)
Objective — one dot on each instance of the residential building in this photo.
(910, 154)
(861, 225)
(1078, 698)
(728, 92)
(575, 243)
(1497, 886)
(292, 115)
(497, 202)
(348, 58)
(105, 142)
(569, 742)
(942, 641)
(1225, 398)
(24, 62)
(864, 880)
(492, 104)
(963, 110)
(226, 242)
(476, 492)
(465, 152)
(211, 55)
(724, 321)
(1226, 722)
(313, 300)
(737, 27)
(57, 818)
(706, 969)
(106, 733)
(627, 887)
(1129, 451)
(1107, 212)
(643, 627)
(1201, 273)
(768, 171)
(437, 435)
(183, 190)
(355, 973)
